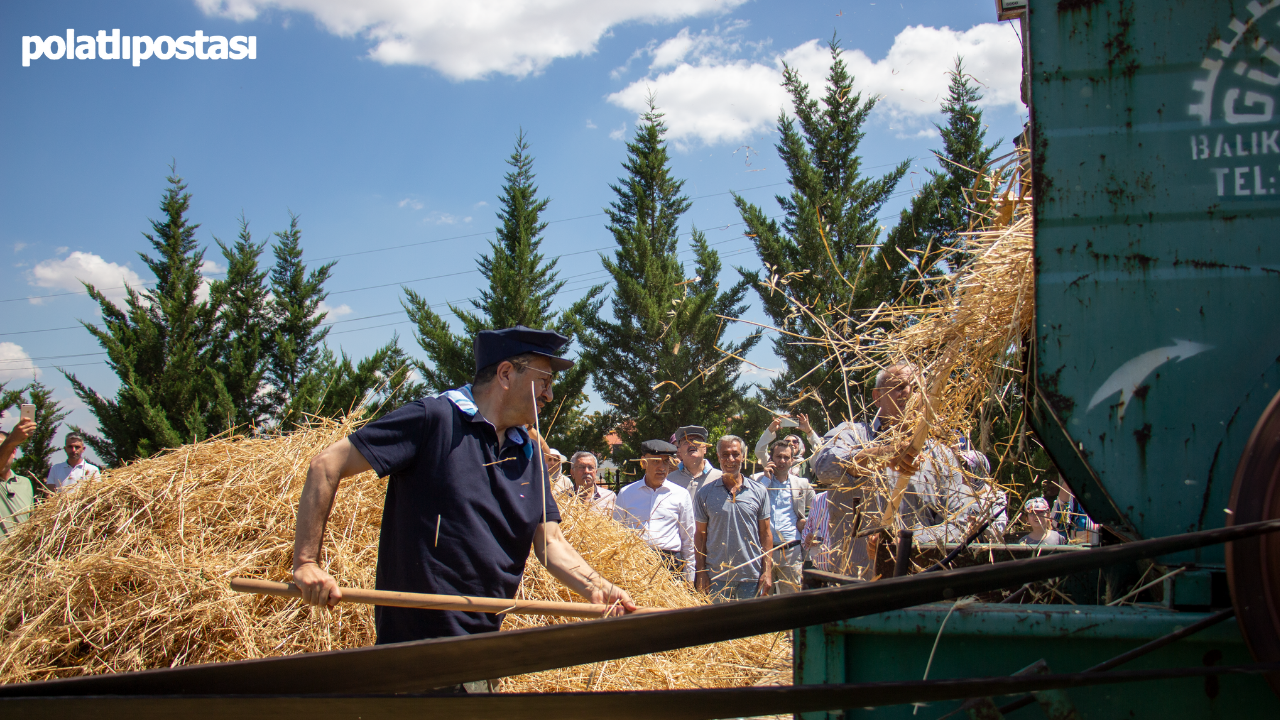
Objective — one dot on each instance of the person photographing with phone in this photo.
(800, 462)
(17, 493)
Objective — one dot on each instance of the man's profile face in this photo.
(656, 467)
(891, 397)
(529, 391)
(75, 450)
(731, 457)
(583, 473)
(691, 450)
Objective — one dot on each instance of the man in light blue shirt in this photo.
(790, 501)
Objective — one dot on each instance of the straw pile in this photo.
(130, 572)
(622, 556)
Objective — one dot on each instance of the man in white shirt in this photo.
(790, 501)
(694, 469)
(75, 469)
(661, 510)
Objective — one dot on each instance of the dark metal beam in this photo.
(641, 705)
(427, 664)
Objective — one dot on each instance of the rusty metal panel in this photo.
(1156, 154)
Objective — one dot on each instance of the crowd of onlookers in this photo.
(737, 535)
(19, 492)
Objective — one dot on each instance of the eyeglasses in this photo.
(543, 384)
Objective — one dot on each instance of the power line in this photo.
(424, 242)
(436, 277)
(549, 222)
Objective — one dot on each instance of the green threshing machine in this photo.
(1155, 362)
(1152, 379)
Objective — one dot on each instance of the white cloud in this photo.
(410, 203)
(619, 132)
(590, 125)
(913, 79)
(332, 312)
(16, 364)
(710, 97)
(67, 274)
(444, 218)
(472, 40)
(17, 247)
(207, 268)
(61, 250)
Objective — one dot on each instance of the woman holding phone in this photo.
(16, 492)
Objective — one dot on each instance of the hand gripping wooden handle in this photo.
(462, 603)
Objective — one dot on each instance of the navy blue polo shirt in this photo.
(460, 513)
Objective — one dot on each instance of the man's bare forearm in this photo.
(325, 472)
(766, 539)
(564, 562)
(313, 513)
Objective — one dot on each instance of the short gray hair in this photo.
(72, 437)
(884, 371)
(581, 454)
(742, 444)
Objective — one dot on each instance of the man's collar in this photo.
(466, 404)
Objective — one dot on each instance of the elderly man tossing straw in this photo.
(467, 497)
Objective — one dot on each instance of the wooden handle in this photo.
(461, 603)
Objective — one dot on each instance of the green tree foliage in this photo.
(39, 449)
(928, 231)
(159, 346)
(663, 360)
(244, 328)
(828, 240)
(522, 285)
(294, 356)
(378, 383)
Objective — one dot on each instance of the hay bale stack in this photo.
(131, 572)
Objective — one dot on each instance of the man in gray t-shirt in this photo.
(732, 539)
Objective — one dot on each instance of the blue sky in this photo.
(387, 123)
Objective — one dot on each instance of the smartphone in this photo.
(28, 411)
(789, 422)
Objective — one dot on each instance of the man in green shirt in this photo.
(16, 492)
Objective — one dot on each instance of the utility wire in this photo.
(429, 242)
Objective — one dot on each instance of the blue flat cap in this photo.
(494, 346)
(657, 447)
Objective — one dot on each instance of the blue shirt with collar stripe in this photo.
(460, 512)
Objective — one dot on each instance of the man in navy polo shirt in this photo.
(468, 495)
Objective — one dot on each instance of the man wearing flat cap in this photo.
(467, 496)
(694, 469)
(661, 510)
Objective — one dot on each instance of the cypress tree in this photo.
(39, 449)
(159, 347)
(244, 327)
(379, 383)
(661, 361)
(522, 285)
(928, 231)
(828, 240)
(294, 355)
